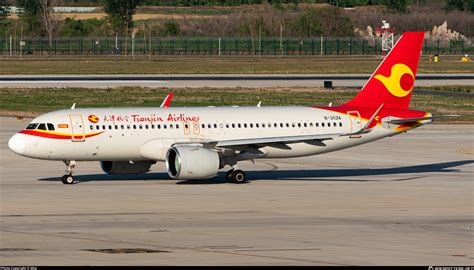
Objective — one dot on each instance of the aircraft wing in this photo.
(270, 140)
(277, 142)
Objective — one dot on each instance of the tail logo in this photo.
(400, 82)
(93, 118)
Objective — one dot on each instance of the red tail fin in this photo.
(392, 82)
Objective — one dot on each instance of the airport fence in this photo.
(214, 46)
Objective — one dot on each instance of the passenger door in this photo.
(77, 128)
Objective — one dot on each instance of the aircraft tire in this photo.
(67, 179)
(238, 177)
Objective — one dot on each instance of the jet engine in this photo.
(192, 162)
(126, 167)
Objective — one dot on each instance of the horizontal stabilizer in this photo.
(411, 120)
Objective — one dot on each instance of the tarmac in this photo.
(404, 200)
(218, 80)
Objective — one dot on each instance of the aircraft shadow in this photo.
(301, 175)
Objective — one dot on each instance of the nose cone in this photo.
(17, 143)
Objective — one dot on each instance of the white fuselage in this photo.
(131, 134)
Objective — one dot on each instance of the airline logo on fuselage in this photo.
(93, 119)
(400, 82)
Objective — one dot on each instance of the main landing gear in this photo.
(236, 176)
(68, 179)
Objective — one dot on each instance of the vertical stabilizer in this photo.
(392, 82)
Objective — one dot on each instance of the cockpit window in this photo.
(32, 126)
(50, 126)
(42, 126)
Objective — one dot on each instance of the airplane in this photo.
(196, 142)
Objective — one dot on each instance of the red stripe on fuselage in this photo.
(56, 136)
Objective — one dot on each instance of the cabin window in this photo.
(134, 126)
(208, 125)
(215, 125)
(239, 125)
(251, 125)
(116, 126)
(340, 124)
(110, 126)
(263, 125)
(146, 126)
(305, 125)
(91, 127)
(311, 124)
(122, 127)
(164, 126)
(245, 125)
(158, 126)
(322, 124)
(233, 125)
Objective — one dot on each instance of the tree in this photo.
(454, 4)
(28, 13)
(4, 9)
(398, 5)
(120, 13)
(323, 21)
(171, 27)
(48, 18)
(470, 5)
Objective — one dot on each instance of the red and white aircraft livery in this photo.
(196, 142)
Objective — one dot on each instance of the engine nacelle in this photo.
(192, 162)
(125, 167)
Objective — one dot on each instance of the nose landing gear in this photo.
(68, 179)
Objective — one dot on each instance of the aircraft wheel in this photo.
(67, 179)
(238, 177)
